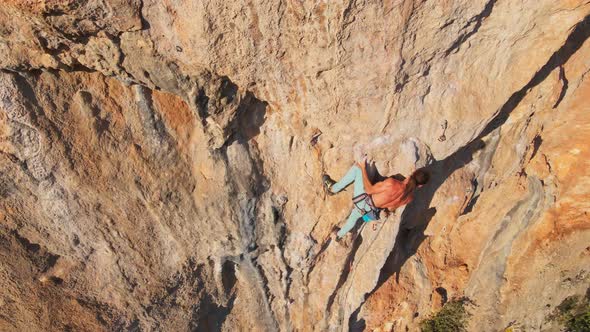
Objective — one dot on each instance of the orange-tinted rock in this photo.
(161, 162)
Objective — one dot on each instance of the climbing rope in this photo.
(358, 262)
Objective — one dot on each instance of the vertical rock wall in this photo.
(161, 162)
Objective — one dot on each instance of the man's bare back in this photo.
(391, 196)
(389, 193)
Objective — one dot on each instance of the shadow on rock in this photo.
(250, 116)
(418, 213)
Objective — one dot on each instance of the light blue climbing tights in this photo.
(353, 175)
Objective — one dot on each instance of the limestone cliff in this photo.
(161, 162)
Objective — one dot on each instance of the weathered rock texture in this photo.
(160, 162)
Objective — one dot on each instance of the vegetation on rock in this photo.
(574, 313)
(451, 318)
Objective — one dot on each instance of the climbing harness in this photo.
(373, 213)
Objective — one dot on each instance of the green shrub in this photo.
(579, 323)
(568, 304)
(573, 313)
(451, 318)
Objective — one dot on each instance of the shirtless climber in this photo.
(369, 199)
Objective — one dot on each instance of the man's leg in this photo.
(355, 175)
(350, 222)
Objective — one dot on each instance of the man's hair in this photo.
(421, 177)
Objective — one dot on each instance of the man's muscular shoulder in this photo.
(389, 182)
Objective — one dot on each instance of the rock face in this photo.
(161, 162)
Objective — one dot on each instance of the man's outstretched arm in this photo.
(369, 187)
(366, 183)
(376, 188)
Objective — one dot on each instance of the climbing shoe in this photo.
(344, 241)
(328, 183)
(335, 238)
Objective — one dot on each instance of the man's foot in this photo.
(334, 235)
(328, 183)
(344, 241)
